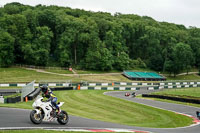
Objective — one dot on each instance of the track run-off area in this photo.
(11, 118)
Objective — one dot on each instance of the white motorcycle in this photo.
(45, 111)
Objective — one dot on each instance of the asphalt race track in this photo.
(19, 118)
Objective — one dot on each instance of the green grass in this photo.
(186, 92)
(95, 72)
(16, 75)
(13, 87)
(94, 105)
(59, 71)
(189, 92)
(184, 77)
(9, 75)
(171, 101)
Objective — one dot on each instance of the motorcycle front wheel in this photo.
(63, 118)
(35, 118)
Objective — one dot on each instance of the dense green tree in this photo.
(7, 49)
(122, 61)
(98, 58)
(95, 40)
(182, 58)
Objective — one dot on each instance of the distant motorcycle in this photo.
(45, 111)
(128, 94)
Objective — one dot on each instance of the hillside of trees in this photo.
(41, 35)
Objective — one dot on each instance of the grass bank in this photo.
(184, 77)
(93, 104)
(184, 92)
(9, 75)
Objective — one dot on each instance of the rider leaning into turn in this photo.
(51, 97)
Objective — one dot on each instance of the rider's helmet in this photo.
(44, 88)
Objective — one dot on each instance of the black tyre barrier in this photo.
(61, 88)
(180, 99)
(13, 99)
(33, 94)
(6, 92)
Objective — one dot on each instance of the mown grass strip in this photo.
(185, 92)
(188, 92)
(95, 105)
(16, 75)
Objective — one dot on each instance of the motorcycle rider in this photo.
(51, 97)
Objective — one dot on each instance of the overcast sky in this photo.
(186, 12)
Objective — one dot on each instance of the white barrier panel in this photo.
(185, 83)
(122, 83)
(150, 88)
(134, 84)
(194, 85)
(187, 86)
(92, 84)
(191, 83)
(52, 84)
(178, 83)
(162, 83)
(36, 84)
(4, 85)
(133, 88)
(170, 86)
(1, 99)
(161, 87)
(84, 88)
(178, 86)
(104, 84)
(110, 88)
(144, 83)
(169, 83)
(198, 83)
(66, 84)
(122, 88)
(97, 88)
(21, 85)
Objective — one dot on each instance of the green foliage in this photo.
(122, 61)
(7, 49)
(137, 63)
(95, 40)
(98, 58)
(182, 58)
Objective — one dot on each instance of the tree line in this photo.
(61, 36)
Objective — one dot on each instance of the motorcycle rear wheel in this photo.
(63, 118)
(35, 118)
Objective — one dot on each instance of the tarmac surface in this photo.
(19, 118)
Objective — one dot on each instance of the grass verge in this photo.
(94, 105)
(59, 71)
(185, 92)
(182, 92)
(184, 77)
(16, 75)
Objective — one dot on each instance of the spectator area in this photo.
(143, 76)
